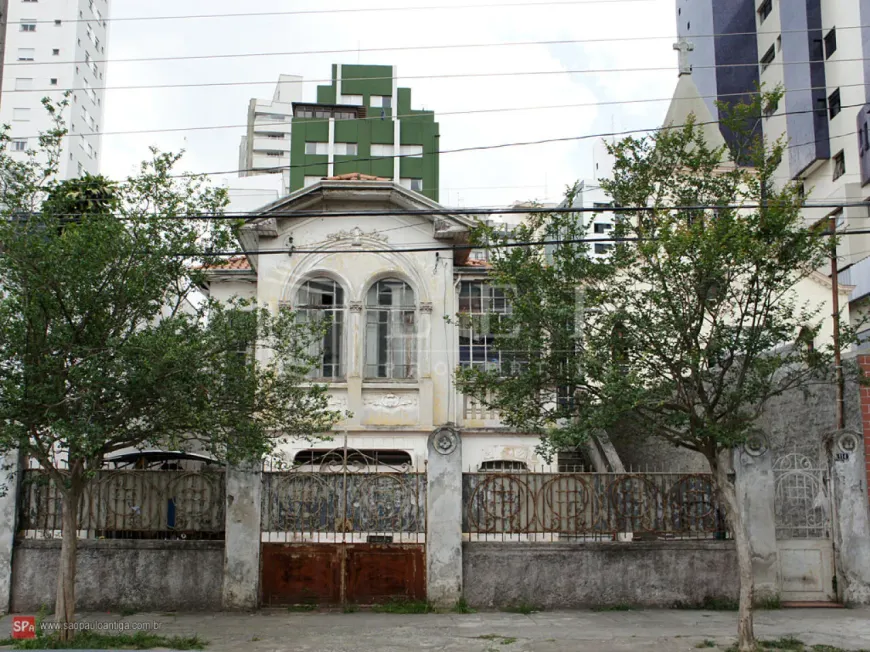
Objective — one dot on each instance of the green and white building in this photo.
(363, 122)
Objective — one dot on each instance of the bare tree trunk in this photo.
(723, 466)
(65, 603)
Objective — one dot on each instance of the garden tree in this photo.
(690, 326)
(104, 344)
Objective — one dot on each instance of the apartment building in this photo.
(265, 147)
(50, 47)
(819, 52)
(363, 123)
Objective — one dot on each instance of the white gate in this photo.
(803, 530)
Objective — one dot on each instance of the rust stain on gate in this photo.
(349, 529)
(362, 573)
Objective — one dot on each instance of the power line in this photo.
(356, 10)
(406, 48)
(439, 115)
(467, 75)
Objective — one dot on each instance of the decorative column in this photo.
(9, 470)
(851, 520)
(424, 340)
(242, 537)
(355, 362)
(444, 518)
(756, 491)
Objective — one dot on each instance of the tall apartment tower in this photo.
(48, 48)
(265, 147)
(363, 122)
(819, 51)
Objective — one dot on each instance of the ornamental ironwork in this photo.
(129, 504)
(344, 495)
(590, 506)
(801, 500)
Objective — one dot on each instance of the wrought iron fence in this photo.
(590, 507)
(128, 505)
(344, 496)
(801, 502)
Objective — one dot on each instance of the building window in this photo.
(601, 248)
(58, 23)
(26, 54)
(481, 307)
(391, 331)
(55, 52)
(768, 58)
(412, 184)
(834, 106)
(381, 101)
(321, 301)
(345, 115)
(304, 113)
(830, 43)
(21, 115)
(602, 228)
(346, 149)
(28, 25)
(770, 108)
(322, 115)
(53, 81)
(764, 10)
(317, 149)
(839, 165)
(23, 84)
(382, 150)
(19, 145)
(351, 99)
(360, 459)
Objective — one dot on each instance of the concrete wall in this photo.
(556, 575)
(123, 574)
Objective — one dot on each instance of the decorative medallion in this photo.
(756, 445)
(356, 306)
(848, 442)
(445, 440)
(426, 307)
(356, 235)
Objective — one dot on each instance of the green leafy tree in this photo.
(105, 344)
(689, 327)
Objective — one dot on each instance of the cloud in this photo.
(486, 178)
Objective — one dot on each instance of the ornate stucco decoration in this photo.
(356, 306)
(390, 401)
(356, 236)
(445, 440)
(426, 307)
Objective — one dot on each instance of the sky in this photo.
(643, 33)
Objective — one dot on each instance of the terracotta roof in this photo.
(356, 176)
(473, 262)
(237, 262)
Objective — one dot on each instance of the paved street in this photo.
(650, 630)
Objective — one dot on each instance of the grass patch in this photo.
(97, 641)
(769, 603)
(350, 608)
(127, 611)
(706, 643)
(508, 640)
(521, 608)
(461, 607)
(503, 640)
(301, 608)
(791, 644)
(402, 607)
(621, 606)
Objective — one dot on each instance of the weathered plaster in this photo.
(8, 513)
(444, 519)
(242, 538)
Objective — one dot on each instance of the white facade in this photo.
(53, 46)
(266, 143)
(399, 412)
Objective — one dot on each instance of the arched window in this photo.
(391, 346)
(322, 300)
(503, 466)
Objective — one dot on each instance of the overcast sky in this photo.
(486, 178)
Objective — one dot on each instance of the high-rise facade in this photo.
(819, 52)
(50, 47)
(363, 122)
(265, 147)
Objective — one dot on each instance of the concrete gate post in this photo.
(444, 518)
(756, 491)
(9, 470)
(851, 520)
(242, 537)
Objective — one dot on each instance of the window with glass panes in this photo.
(391, 331)
(480, 305)
(321, 300)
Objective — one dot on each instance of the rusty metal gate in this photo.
(343, 526)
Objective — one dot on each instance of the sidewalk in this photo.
(651, 630)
